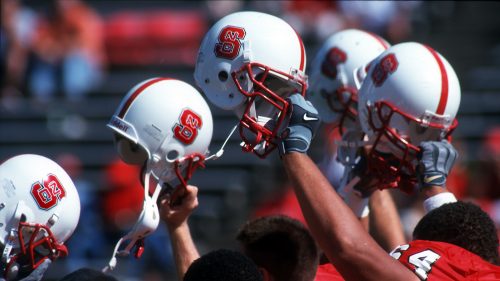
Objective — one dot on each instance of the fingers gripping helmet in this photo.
(39, 210)
(337, 70)
(249, 62)
(411, 94)
(166, 124)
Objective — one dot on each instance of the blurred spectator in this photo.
(18, 23)
(282, 202)
(390, 19)
(486, 181)
(458, 180)
(313, 20)
(122, 198)
(88, 241)
(219, 8)
(68, 51)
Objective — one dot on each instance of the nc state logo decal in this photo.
(187, 129)
(334, 57)
(386, 66)
(48, 193)
(229, 43)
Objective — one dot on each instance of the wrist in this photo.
(438, 200)
(176, 226)
(292, 145)
(432, 179)
(296, 139)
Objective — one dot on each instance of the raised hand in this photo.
(303, 123)
(176, 213)
(436, 158)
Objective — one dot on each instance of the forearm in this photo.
(183, 248)
(385, 224)
(336, 229)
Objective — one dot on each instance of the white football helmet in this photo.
(39, 210)
(337, 71)
(165, 124)
(250, 62)
(411, 94)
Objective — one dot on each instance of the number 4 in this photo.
(422, 261)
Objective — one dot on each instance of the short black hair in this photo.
(281, 245)
(223, 265)
(87, 274)
(463, 224)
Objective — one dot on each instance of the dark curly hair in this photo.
(462, 224)
(281, 245)
(223, 265)
(87, 274)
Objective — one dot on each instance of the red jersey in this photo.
(438, 261)
(327, 272)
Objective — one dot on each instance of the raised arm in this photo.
(336, 229)
(176, 218)
(385, 223)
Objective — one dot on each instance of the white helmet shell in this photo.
(335, 69)
(418, 82)
(250, 62)
(35, 190)
(239, 39)
(411, 94)
(162, 120)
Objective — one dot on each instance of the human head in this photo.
(223, 265)
(462, 224)
(250, 62)
(337, 71)
(87, 274)
(411, 94)
(282, 246)
(39, 210)
(165, 124)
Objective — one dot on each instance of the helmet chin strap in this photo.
(146, 224)
(219, 153)
(149, 218)
(11, 269)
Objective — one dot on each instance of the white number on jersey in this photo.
(422, 261)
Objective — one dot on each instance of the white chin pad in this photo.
(130, 153)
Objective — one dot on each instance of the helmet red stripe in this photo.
(302, 53)
(380, 40)
(136, 93)
(444, 82)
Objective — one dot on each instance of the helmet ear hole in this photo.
(172, 155)
(130, 152)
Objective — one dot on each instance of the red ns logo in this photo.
(386, 66)
(334, 57)
(187, 128)
(48, 193)
(229, 42)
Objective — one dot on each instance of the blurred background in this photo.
(67, 64)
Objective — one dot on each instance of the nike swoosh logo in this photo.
(429, 179)
(308, 118)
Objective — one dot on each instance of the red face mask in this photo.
(395, 170)
(37, 243)
(252, 131)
